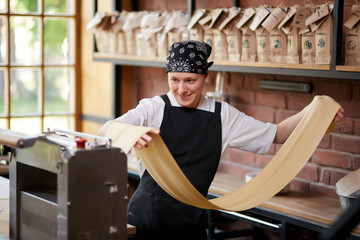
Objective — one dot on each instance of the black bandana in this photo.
(189, 56)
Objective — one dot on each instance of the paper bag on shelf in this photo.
(323, 36)
(162, 38)
(207, 22)
(119, 33)
(277, 38)
(196, 31)
(248, 46)
(131, 28)
(233, 34)
(263, 45)
(352, 37)
(101, 25)
(220, 43)
(176, 27)
(308, 47)
(293, 38)
(248, 38)
(278, 47)
(151, 24)
(320, 22)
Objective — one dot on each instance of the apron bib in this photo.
(194, 139)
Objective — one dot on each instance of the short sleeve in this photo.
(244, 132)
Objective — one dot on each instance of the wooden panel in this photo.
(127, 88)
(91, 127)
(96, 77)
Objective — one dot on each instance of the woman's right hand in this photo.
(145, 139)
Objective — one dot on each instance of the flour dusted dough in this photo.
(285, 165)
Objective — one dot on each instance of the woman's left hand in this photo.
(339, 115)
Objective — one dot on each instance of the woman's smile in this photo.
(187, 87)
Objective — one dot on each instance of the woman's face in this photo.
(187, 87)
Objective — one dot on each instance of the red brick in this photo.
(309, 172)
(346, 126)
(298, 101)
(261, 113)
(213, 4)
(300, 185)
(235, 79)
(239, 156)
(162, 5)
(270, 100)
(233, 86)
(335, 89)
(273, 3)
(332, 158)
(282, 114)
(355, 162)
(176, 5)
(272, 149)
(144, 85)
(325, 141)
(244, 97)
(357, 127)
(251, 82)
(323, 190)
(346, 143)
(331, 176)
(356, 91)
(352, 108)
(149, 72)
(160, 87)
(231, 168)
(261, 160)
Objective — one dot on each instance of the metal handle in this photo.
(83, 135)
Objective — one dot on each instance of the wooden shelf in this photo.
(274, 65)
(161, 61)
(348, 68)
(304, 70)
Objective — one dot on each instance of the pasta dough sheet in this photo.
(285, 165)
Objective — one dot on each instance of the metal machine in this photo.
(66, 185)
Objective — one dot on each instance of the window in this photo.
(37, 65)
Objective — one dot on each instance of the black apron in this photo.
(194, 139)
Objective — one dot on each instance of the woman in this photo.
(196, 131)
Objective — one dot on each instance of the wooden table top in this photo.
(298, 204)
(307, 206)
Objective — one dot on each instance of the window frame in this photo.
(75, 114)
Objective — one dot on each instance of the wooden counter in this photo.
(297, 204)
(311, 210)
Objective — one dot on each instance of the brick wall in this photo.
(338, 153)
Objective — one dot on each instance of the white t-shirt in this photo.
(238, 130)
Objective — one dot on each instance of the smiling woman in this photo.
(37, 52)
(187, 87)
